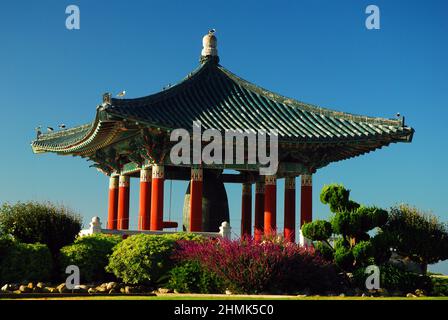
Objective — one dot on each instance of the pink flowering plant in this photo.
(247, 266)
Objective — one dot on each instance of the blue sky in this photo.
(315, 51)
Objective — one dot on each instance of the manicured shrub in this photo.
(22, 262)
(325, 251)
(247, 266)
(34, 222)
(191, 277)
(343, 257)
(145, 259)
(318, 230)
(362, 251)
(91, 255)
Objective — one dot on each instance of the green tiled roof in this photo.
(221, 100)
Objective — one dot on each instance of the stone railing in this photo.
(95, 227)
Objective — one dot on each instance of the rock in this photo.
(17, 292)
(5, 288)
(228, 292)
(91, 290)
(164, 290)
(101, 289)
(420, 293)
(111, 285)
(363, 295)
(302, 296)
(411, 295)
(62, 288)
(40, 285)
(122, 290)
(37, 290)
(129, 290)
(51, 290)
(342, 295)
(30, 285)
(24, 289)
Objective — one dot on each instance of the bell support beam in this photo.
(259, 211)
(270, 206)
(158, 179)
(290, 209)
(112, 214)
(306, 199)
(196, 199)
(246, 210)
(123, 203)
(144, 214)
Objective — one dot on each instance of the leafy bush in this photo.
(362, 251)
(343, 257)
(22, 262)
(440, 286)
(393, 279)
(145, 259)
(34, 222)
(247, 266)
(418, 235)
(191, 277)
(325, 251)
(317, 230)
(91, 255)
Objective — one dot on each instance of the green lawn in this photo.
(224, 297)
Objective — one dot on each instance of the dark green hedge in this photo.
(22, 262)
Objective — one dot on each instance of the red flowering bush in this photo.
(247, 266)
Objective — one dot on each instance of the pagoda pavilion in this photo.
(131, 138)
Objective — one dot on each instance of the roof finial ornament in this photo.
(209, 47)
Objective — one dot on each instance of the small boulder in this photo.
(5, 288)
(40, 285)
(165, 290)
(24, 289)
(62, 288)
(91, 291)
(420, 293)
(111, 285)
(411, 295)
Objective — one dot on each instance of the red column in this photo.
(113, 203)
(123, 203)
(306, 201)
(246, 210)
(144, 214)
(259, 211)
(158, 178)
(270, 206)
(290, 209)
(196, 199)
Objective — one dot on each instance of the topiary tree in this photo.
(34, 222)
(351, 222)
(91, 255)
(417, 235)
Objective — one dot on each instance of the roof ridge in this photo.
(169, 90)
(306, 106)
(65, 132)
